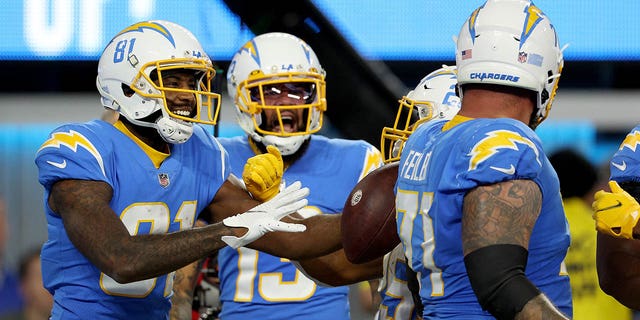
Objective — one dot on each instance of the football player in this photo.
(278, 85)
(616, 215)
(120, 197)
(478, 204)
(433, 98)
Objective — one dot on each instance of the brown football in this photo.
(369, 216)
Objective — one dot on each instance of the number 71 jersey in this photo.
(437, 168)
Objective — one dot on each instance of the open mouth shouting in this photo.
(289, 122)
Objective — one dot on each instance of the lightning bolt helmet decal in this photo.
(146, 25)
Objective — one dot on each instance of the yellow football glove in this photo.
(263, 173)
(615, 212)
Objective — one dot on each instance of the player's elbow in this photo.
(611, 288)
(122, 273)
(122, 270)
(120, 277)
(608, 285)
(623, 290)
(611, 278)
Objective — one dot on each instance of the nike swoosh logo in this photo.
(510, 170)
(621, 166)
(60, 165)
(618, 204)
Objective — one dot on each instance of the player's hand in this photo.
(266, 217)
(616, 212)
(263, 174)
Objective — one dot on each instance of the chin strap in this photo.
(174, 131)
(286, 145)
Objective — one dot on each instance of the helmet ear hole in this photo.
(153, 75)
(127, 91)
(544, 96)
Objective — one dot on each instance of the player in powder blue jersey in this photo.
(120, 197)
(278, 87)
(478, 205)
(616, 215)
(433, 98)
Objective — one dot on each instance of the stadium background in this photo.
(373, 51)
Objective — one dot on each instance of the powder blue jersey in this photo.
(625, 163)
(146, 199)
(256, 285)
(397, 301)
(437, 169)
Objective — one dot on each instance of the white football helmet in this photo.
(511, 43)
(266, 61)
(433, 98)
(138, 55)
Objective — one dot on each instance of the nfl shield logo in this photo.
(522, 57)
(164, 180)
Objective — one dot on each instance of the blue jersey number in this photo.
(122, 46)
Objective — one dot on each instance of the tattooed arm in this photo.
(97, 232)
(184, 284)
(539, 308)
(498, 215)
(502, 213)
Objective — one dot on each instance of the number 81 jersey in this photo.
(148, 200)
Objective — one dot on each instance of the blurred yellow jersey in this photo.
(589, 301)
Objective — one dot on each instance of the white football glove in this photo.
(266, 216)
